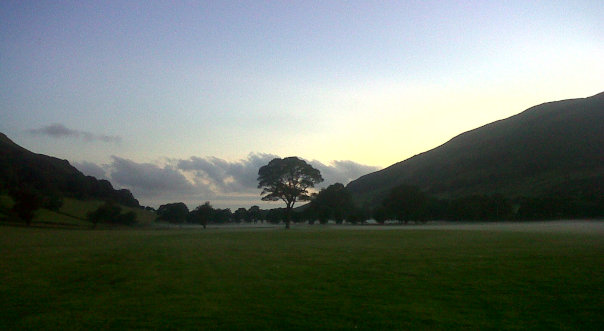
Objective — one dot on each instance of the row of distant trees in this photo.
(402, 204)
(289, 180)
(179, 213)
(335, 203)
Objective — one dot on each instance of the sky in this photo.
(185, 100)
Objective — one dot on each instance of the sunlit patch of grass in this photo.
(46, 216)
(309, 279)
(79, 208)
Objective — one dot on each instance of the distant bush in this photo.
(112, 214)
(52, 202)
(27, 201)
(176, 212)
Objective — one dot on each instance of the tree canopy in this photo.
(333, 202)
(112, 214)
(176, 212)
(202, 214)
(406, 203)
(287, 179)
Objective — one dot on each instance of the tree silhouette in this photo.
(333, 202)
(27, 201)
(406, 203)
(254, 214)
(111, 213)
(240, 215)
(173, 212)
(202, 214)
(287, 179)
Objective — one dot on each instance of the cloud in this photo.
(342, 171)
(91, 169)
(147, 179)
(198, 179)
(226, 177)
(57, 130)
(241, 176)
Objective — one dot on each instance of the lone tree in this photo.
(287, 179)
(27, 201)
(202, 214)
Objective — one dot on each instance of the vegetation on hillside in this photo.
(71, 213)
(554, 149)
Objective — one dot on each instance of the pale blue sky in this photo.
(370, 83)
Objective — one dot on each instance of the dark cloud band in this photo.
(57, 130)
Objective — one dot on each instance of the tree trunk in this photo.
(287, 216)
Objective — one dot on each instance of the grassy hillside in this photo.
(73, 212)
(551, 147)
(301, 279)
(78, 209)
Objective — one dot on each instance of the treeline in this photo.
(179, 213)
(407, 203)
(402, 204)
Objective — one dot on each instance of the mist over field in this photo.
(595, 226)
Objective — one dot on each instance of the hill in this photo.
(20, 167)
(555, 147)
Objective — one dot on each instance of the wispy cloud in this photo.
(57, 130)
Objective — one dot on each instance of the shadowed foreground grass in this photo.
(300, 279)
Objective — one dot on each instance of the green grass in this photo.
(143, 217)
(80, 208)
(49, 217)
(300, 279)
(73, 213)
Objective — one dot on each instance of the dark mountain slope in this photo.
(20, 167)
(550, 147)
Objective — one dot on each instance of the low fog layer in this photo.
(563, 226)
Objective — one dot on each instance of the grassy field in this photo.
(301, 279)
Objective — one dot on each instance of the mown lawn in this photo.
(300, 279)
